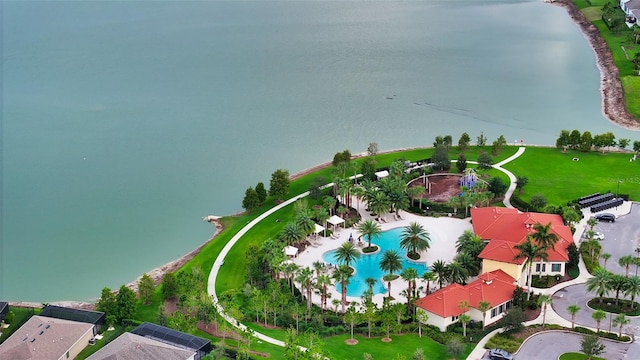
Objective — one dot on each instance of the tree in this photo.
(372, 149)
(262, 192)
(563, 140)
(482, 140)
(428, 277)
(341, 157)
(414, 239)
(126, 303)
(305, 278)
(521, 181)
(586, 141)
(544, 300)
(598, 316)
(441, 159)
(409, 275)
(439, 268)
(369, 229)
(342, 274)
(497, 187)
(279, 185)
(626, 261)
(346, 253)
(469, 262)
(484, 161)
(391, 263)
(369, 313)
(379, 203)
(623, 143)
(464, 320)
(457, 273)
(251, 200)
(591, 346)
(573, 310)
(636, 144)
(422, 318)
(529, 251)
(538, 202)
(368, 168)
(570, 215)
(513, 319)
(463, 142)
(545, 239)
(617, 283)
(605, 257)
(323, 282)
(498, 145)
(146, 289)
(352, 318)
(632, 289)
(620, 320)
(292, 233)
(483, 307)
(599, 282)
(461, 164)
(574, 139)
(169, 286)
(107, 303)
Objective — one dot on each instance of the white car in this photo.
(598, 236)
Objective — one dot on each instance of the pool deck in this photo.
(444, 231)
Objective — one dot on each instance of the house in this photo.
(631, 8)
(200, 346)
(130, 346)
(443, 306)
(504, 228)
(45, 338)
(97, 318)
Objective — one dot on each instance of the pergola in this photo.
(335, 220)
(318, 229)
(290, 251)
(382, 174)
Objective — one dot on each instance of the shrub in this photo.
(502, 341)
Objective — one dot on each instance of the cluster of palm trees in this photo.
(536, 246)
(604, 283)
(465, 264)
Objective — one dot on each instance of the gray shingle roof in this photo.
(129, 346)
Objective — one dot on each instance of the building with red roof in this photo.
(443, 306)
(504, 228)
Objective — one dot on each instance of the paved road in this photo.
(550, 345)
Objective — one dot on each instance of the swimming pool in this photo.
(369, 265)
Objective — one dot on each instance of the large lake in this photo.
(123, 123)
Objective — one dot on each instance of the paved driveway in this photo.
(621, 238)
(551, 344)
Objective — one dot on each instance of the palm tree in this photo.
(318, 266)
(305, 278)
(544, 300)
(379, 203)
(483, 307)
(414, 238)
(468, 242)
(626, 261)
(292, 233)
(620, 320)
(305, 222)
(322, 215)
(464, 320)
(428, 277)
(342, 274)
(371, 282)
(592, 222)
(599, 282)
(346, 254)
(409, 275)
(605, 257)
(598, 316)
(529, 251)
(456, 273)
(323, 282)
(544, 238)
(358, 191)
(369, 229)
(468, 262)
(439, 268)
(632, 289)
(330, 203)
(617, 283)
(415, 191)
(391, 263)
(573, 310)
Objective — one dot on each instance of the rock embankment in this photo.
(613, 101)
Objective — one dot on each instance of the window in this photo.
(494, 312)
(556, 267)
(544, 267)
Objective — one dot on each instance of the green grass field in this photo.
(577, 356)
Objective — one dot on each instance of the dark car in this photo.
(606, 217)
(499, 354)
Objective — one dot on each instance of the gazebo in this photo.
(290, 251)
(382, 174)
(318, 229)
(335, 220)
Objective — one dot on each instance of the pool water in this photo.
(369, 265)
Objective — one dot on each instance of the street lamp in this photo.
(637, 250)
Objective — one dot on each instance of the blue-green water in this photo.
(123, 123)
(368, 266)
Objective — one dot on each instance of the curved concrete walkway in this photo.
(211, 284)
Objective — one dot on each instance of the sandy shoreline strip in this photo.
(613, 101)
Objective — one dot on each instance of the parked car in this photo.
(606, 217)
(499, 354)
(598, 236)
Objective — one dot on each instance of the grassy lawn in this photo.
(21, 317)
(108, 336)
(577, 356)
(404, 345)
(560, 179)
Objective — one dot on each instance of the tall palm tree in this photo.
(409, 275)
(632, 289)
(358, 191)
(468, 262)
(483, 307)
(369, 229)
(617, 283)
(305, 222)
(322, 215)
(305, 278)
(599, 282)
(544, 238)
(467, 241)
(620, 320)
(605, 257)
(318, 266)
(439, 268)
(323, 282)
(342, 274)
(346, 253)
(371, 282)
(414, 238)
(544, 300)
(598, 316)
(626, 261)
(456, 273)
(573, 310)
(529, 251)
(428, 276)
(379, 203)
(391, 263)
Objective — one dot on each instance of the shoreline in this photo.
(613, 102)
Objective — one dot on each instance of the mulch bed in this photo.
(443, 187)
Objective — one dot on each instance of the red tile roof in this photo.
(496, 287)
(508, 227)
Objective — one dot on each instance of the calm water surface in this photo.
(123, 123)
